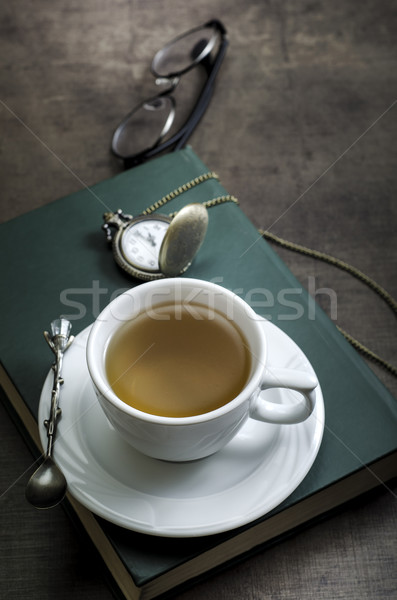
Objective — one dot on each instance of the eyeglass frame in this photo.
(179, 139)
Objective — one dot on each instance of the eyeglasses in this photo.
(143, 132)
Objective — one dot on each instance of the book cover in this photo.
(56, 261)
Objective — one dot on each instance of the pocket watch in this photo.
(155, 246)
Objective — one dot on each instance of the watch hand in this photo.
(149, 237)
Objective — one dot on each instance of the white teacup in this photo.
(194, 437)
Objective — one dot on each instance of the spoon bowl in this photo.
(47, 486)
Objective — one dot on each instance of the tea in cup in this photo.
(178, 365)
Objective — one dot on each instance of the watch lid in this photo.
(183, 239)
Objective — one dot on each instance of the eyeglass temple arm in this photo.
(204, 100)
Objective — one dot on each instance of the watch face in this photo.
(141, 242)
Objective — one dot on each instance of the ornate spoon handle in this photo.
(59, 342)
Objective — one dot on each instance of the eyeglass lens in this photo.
(184, 52)
(145, 126)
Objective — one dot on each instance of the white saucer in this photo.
(254, 473)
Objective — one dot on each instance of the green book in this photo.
(56, 261)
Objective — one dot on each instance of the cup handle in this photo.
(299, 381)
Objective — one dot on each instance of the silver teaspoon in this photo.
(47, 486)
